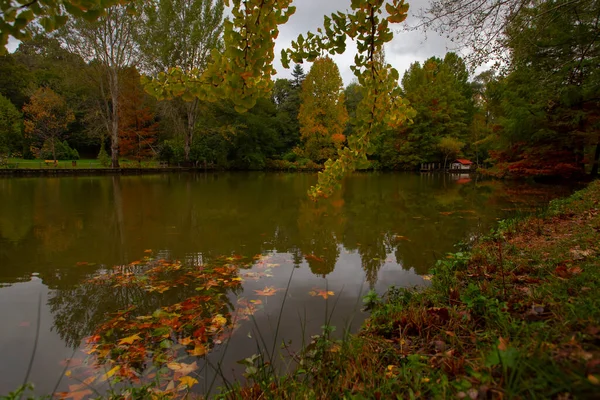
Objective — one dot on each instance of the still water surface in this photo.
(379, 230)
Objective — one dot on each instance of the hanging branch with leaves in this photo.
(382, 106)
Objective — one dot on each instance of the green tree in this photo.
(11, 122)
(14, 80)
(549, 100)
(46, 119)
(353, 95)
(440, 93)
(322, 114)
(286, 96)
(180, 33)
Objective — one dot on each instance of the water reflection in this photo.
(380, 229)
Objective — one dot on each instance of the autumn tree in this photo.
(322, 114)
(137, 128)
(46, 119)
(242, 71)
(180, 33)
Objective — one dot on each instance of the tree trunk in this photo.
(53, 151)
(114, 134)
(191, 109)
(594, 172)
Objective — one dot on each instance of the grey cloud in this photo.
(406, 47)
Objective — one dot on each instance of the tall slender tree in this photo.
(180, 33)
(108, 43)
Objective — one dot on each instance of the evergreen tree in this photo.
(11, 122)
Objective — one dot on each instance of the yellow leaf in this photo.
(593, 379)
(199, 350)
(187, 381)
(129, 340)
(68, 373)
(110, 373)
(182, 368)
(185, 341)
(219, 320)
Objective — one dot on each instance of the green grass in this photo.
(21, 163)
(516, 317)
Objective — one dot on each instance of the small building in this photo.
(461, 164)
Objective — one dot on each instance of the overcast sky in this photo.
(404, 49)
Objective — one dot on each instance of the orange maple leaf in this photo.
(267, 291)
(323, 293)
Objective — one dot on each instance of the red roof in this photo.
(464, 161)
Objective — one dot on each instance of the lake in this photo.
(228, 262)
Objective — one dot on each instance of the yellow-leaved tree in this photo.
(46, 119)
(322, 114)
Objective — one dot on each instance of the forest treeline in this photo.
(77, 93)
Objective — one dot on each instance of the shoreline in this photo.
(516, 316)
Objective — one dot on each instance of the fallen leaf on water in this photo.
(187, 381)
(426, 277)
(81, 263)
(198, 351)
(81, 387)
(75, 395)
(323, 293)
(257, 302)
(110, 373)
(148, 251)
(185, 341)
(25, 324)
(129, 340)
(267, 291)
(182, 369)
(219, 320)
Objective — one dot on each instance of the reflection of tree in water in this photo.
(79, 310)
(319, 227)
(103, 219)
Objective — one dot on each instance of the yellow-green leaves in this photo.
(382, 107)
(15, 16)
(242, 72)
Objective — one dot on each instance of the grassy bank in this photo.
(517, 317)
